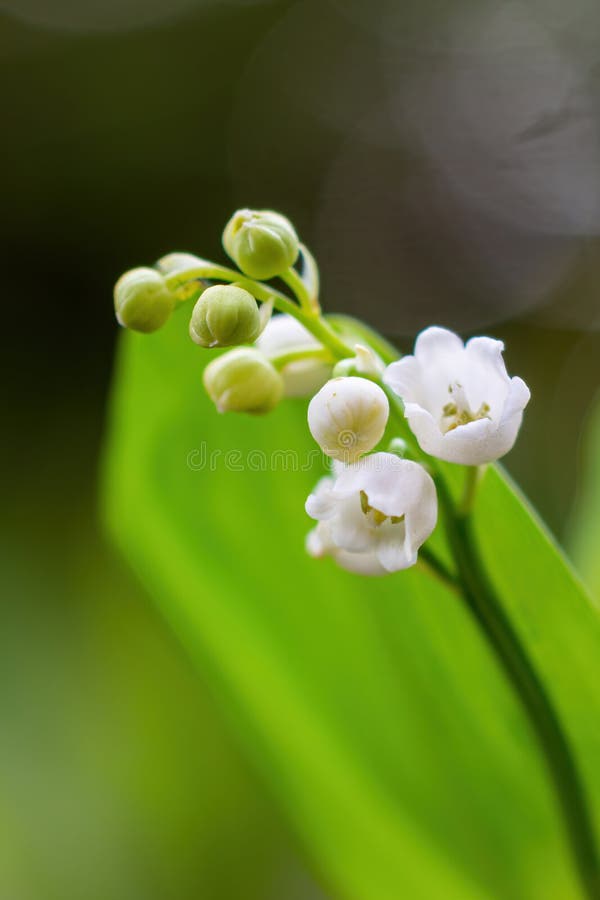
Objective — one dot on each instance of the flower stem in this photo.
(433, 565)
(473, 476)
(314, 353)
(349, 325)
(511, 654)
(294, 281)
(317, 325)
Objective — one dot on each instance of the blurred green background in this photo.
(441, 161)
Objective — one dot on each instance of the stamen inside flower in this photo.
(375, 515)
(457, 411)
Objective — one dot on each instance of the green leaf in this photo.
(372, 707)
(584, 531)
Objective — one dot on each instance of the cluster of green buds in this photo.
(272, 356)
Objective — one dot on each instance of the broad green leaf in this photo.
(584, 533)
(372, 707)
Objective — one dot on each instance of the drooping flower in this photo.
(373, 514)
(284, 334)
(348, 417)
(459, 401)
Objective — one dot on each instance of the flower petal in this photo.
(392, 552)
(321, 504)
(404, 378)
(350, 528)
(517, 399)
(360, 563)
(317, 543)
(435, 342)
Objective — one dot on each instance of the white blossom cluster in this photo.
(375, 510)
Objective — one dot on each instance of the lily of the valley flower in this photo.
(459, 401)
(284, 334)
(374, 514)
(348, 417)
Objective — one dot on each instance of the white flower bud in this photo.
(458, 399)
(243, 380)
(366, 362)
(302, 377)
(348, 417)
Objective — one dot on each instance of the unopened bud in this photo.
(243, 380)
(261, 242)
(366, 362)
(142, 300)
(348, 417)
(225, 316)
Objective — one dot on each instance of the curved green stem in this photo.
(433, 565)
(317, 326)
(213, 272)
(324, 333)
(349, 325)
(512, 656)
(473, 476)
(301, 290)
(318, 353)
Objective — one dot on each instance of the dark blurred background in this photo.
(442, 161)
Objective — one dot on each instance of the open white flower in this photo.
(348, 417)
(459, 401)
(284, 334)
(373, 514)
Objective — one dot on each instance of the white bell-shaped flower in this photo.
(459, 401)
(284, 334)
(348, 417)
(373, 514)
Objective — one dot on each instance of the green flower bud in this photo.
(224, 316)
(243, 380)
(262, 243)
(142, 300)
